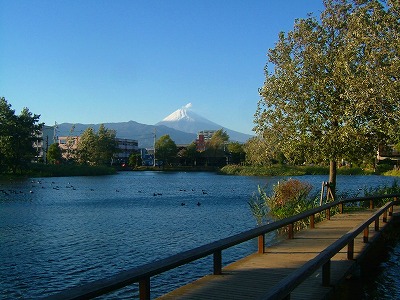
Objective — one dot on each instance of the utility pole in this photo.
(154, 146)
(55, 137)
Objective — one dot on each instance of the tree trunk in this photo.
(332, 180)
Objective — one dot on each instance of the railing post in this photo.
(350, 250)
(371, 204)
(312, 221)
(341, 208)
(326, 273)
(328, 213)
(144, 289)
(366, 234)
(384, 218)
(391, 207)
(377, 224)
(291, 231)
(217, 262)
(261, 243)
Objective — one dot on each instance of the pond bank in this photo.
(286, 170)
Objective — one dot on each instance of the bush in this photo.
(392, 173)
(41, 170)
(274, 170)
(288, 198)
(382, 190)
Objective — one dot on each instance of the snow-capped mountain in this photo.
(186, 120)
(182, 126)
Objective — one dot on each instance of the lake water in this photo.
(56, 233)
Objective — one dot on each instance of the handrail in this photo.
(142, 274)
(289, 283)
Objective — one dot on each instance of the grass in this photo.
(392, 173)
(285, 170)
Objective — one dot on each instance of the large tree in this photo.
(166, 149)
(188, 155)
(106, 145)
(259, 152)
(334, 91)
(17, 135)
(87, 147)
(216, 148)
(54, 154)
(96, 148)
(236, 152)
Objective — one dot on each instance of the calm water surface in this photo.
(56, 233)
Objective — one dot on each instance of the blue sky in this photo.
(100, 61)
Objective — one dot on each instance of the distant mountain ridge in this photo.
(184, 119)
(182, 126)
(131, 130)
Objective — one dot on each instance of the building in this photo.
(147, 156)
(42, 144)
(125, 148)
(388, 152)
(68, 145)
(202, 138)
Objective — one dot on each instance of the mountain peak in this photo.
(180, 114)
(186, 120)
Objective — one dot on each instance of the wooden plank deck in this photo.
(252, 276)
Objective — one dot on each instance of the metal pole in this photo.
(154, 146)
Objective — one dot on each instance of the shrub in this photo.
(288, 198)
(382, 190)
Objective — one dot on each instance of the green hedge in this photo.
(42, 170)
(285, 170)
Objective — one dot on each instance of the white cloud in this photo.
(189, 105)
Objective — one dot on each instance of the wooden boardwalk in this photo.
(253, 276)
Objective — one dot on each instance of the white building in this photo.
(126, 147)
(42, 144)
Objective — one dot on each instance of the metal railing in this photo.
(143, 274)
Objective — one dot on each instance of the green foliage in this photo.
(288, 198)
(215, 153)
(260, 152)
(106, 145)
(218, 139)
(86, 148)
(392, 173)
(216, 145)
(189, 156)
(354, 171)
(166, 149)
(258, 205)
(236, 152)
(334, 91)
(135, 160)
(54, 154)
(42, 170)
(274, 170)
(17, 135)
(382, 190)
(96, 148)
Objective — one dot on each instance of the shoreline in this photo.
(37, 170)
